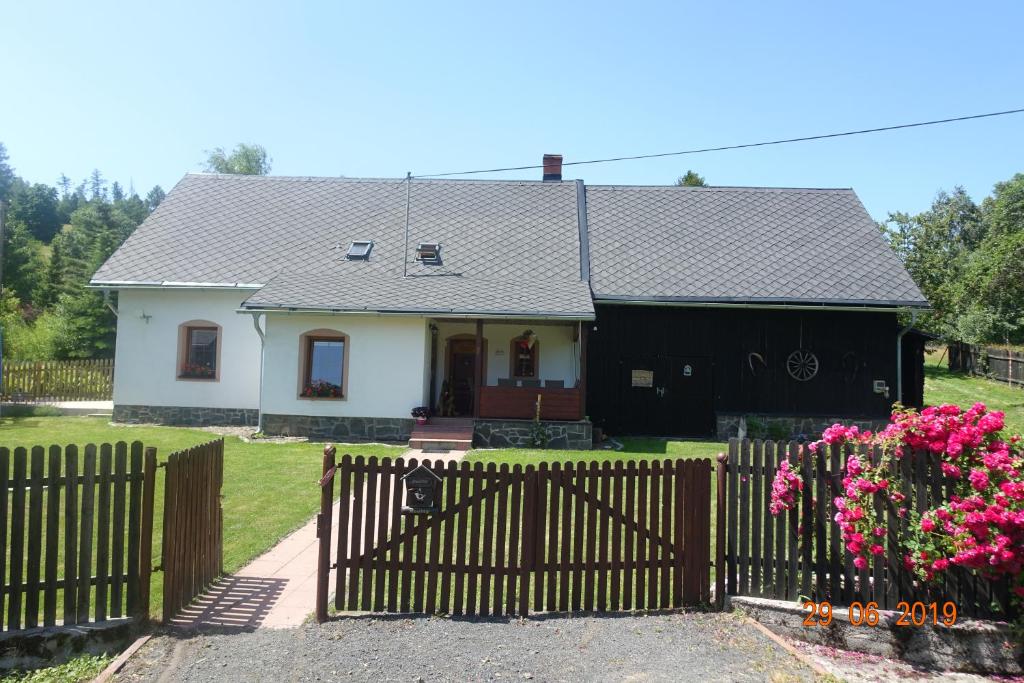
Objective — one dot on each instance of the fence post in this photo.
(720, 533)
(323, 532)
(145, 567)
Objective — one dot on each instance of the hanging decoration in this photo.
(802, 364)
(759, 359)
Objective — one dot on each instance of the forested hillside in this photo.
(55, 238)
(968, 259)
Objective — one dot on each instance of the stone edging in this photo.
(969, 646)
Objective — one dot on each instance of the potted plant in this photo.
(421, 413)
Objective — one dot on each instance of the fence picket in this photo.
(757, 508)
(71, 535)
(344, 474)
(103, 534)
(17, 557)
(34, 559)
(473, 578)
(5, 467)
(551, 545)
(501, 562)
(602, 555)
(379, 568)
(86, 532)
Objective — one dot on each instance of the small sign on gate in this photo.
(420, 491)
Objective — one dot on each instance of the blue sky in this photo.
(139, 90)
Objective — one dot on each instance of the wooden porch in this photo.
(521, 403)
(515, 397)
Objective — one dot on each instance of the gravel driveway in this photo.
(659, 647)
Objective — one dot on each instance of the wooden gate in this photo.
(193, 539)
(559, 537)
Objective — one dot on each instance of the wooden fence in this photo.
(64, 380)
(193, 525)
(558, 537)
(93, 566)
(993, 362)
(768, 556)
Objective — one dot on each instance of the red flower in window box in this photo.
(196, 371)
(321, 389)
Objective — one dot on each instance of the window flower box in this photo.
(320, 389)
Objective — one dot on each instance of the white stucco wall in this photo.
(558, 352)
(385, 365)
(146, 355)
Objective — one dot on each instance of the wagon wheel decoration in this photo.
(802, 365)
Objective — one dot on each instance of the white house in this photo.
(331, 307)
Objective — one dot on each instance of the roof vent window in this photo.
(359, 250)
(429, 253)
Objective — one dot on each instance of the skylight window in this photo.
(429, 253)
(359, 249)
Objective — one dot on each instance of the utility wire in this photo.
(742, 146)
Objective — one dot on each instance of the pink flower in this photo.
(978, 479)
(927, 525)
(876, 549)
(860, 562)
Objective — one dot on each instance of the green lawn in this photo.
(269, 488)
(943, 386)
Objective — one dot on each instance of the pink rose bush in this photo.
(785, 487)
(980, 527)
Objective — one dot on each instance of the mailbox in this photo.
(421, 487)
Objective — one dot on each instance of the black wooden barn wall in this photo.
(853, 350)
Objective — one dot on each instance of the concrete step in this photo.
(428, 444)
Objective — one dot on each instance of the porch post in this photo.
(478, 369)
(584, 329)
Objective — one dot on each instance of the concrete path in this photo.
(278, 588)
(65, 407)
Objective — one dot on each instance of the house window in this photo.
(525, 354)
(325, 366)
(198, 350)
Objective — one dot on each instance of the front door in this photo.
(461, 374)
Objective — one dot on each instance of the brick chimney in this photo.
(552, 167)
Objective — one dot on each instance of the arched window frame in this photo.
(306, 341)
(514, 357)
(185, 331)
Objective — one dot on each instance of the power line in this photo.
(742, 146)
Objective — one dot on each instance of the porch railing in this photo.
(521, 403)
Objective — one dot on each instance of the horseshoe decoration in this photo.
(751, 358)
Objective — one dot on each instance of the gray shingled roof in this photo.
(727, 244)
(429, 294)
(510, 247)
(245, 230)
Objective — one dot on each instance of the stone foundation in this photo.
(785, 427)
(337, 428)
(517, 434)
(183, 416)
(42, 647)
(969, 645)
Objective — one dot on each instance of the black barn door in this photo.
(686, 396)
(667, 396)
